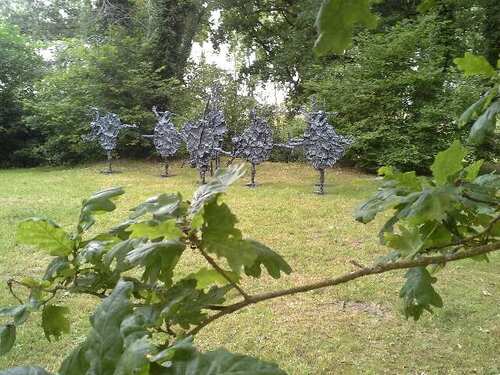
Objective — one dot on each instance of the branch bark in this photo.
(367, 271)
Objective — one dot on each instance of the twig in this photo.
(214, 264)
(465, 241)
(10, 282)
(466, 195)
(378, 269)
(357, 264)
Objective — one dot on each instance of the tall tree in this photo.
(46, 20)
(279, 32)
(18, 67)
(175, 24)
(491, 30)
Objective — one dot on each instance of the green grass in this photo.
(350, 329)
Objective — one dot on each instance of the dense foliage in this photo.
(18, 67)
(397, 95)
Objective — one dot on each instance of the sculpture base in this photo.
(251, 186)
(167, 175)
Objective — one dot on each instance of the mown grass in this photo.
(351, 329)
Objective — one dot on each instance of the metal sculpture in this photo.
(204, 137)
(254, 145)
(166, 138)
(199, 140)
(323, 147)
(217, 122)
(105, 129)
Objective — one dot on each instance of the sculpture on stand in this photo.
(204, 137)
(105, 129)
(166, 138)
(216, 121)
(323, 147)
(199, 140)
(254, 145)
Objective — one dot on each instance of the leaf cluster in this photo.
(148, 310)
(453, 209)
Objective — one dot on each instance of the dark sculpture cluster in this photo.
(204, 137)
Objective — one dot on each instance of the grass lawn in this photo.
(351, 329)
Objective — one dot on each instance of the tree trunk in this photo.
(176, 25)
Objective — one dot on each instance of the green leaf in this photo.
(98, 202)
(19, 313)
(116, 343)
(485, 125)
(336, 21)
(220, 236)
(418, 293)
(58, 267)
(158, 258)
(119, 252)
(221, 362)
(134, 359)
(472, 171)
(431, 205)
(167, 230)
(7, 338)
(383, 200)
(388, 227)
(266, 257)
(45, 235)
(408, 243)
(448, 163)
(208, 277)
(223, 178)
(181, 350)
(477, 108)
(161, 206)
(25, 371)
(407, 181)
(184, 303)
(54, 321)
(435, 235)
(472, 64)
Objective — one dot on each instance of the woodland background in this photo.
(396, 91)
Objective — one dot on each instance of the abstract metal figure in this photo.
(106, 129)
(204, 137)
(166, 138)
(323, 147)
(199, 140)
(254, 145)
(216, 121)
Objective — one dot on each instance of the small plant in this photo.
(131, 267)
